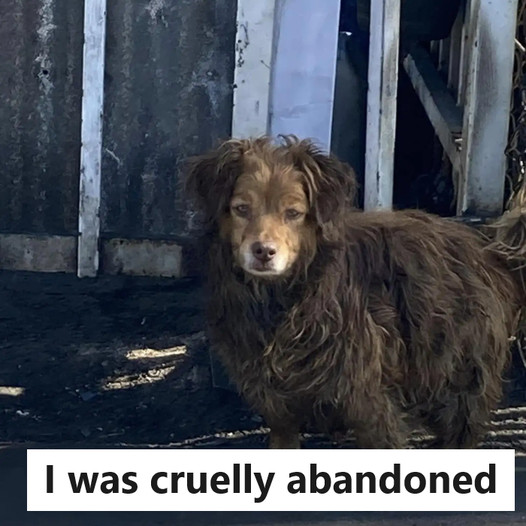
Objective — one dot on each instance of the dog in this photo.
(377, 322)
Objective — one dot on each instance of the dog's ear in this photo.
(211, 177)
(331, 184)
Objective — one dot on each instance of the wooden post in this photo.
(91, 137)
(252, 70)
(381, 103)
(486, 98)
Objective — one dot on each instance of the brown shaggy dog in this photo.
(378, 322)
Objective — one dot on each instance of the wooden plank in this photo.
(141, 258)
(252, 70)
(38, 253)
(465, 50)
(91, 137)
(487, 106)
(304, 69)
(455, 74)
(381, 103)
(455, 52)
(440, 106)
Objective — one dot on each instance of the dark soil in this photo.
(124, 361)
(100, 362)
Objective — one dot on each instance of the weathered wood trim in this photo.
(91, 136)
(439, 104)
(38, 253)
(381, 103)
(487, 106)
(253, 67)
(464, 59)
(135, 257)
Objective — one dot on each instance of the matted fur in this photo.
(390, 321)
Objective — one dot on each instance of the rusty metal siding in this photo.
(168, 95)
(40, 98)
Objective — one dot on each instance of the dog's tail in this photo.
(508, 238)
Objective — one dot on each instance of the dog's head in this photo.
(273, 203)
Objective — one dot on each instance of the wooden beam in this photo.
(487, 106)
(464, 59)
(381, 103)
(439, 104)
(91, 137)
(252, 70)
(304, 69)
(455, 52)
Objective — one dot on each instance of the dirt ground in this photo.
(124, 361)
(111, 361)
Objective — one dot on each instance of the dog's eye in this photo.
(242, 210)
(292, 214)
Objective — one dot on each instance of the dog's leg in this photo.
(460, 423)
(383, 427)
(377, 434)
(281, 438)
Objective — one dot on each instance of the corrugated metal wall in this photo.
(168, 94)
(40, 97)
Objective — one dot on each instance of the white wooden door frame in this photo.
(482, 74)
(473, 128)
(487, 99)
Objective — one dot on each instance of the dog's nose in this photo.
(263, 251)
